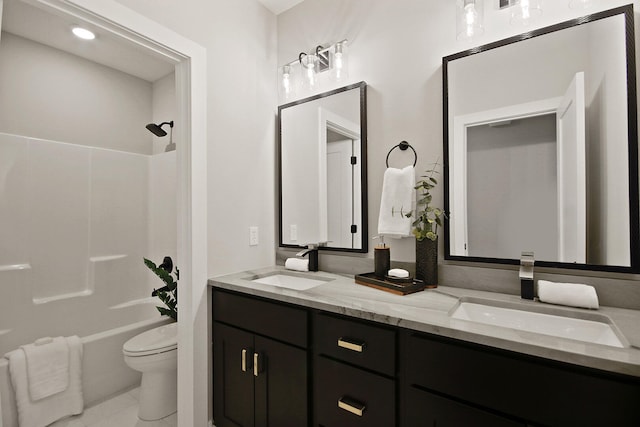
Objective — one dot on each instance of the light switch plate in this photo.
(253, 236)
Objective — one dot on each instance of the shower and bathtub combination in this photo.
(75, 224)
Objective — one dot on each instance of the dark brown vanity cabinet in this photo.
(354, 380)
(280, 365)
(260, 369)
(455, 383)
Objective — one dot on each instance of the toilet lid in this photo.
(157, 340)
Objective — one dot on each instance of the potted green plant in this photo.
(426, 221)
(168, 294)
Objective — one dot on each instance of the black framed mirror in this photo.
(322, 164)
(541, 147)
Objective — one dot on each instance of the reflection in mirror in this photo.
(322, 148)
(541, 147)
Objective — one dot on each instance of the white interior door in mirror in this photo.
(572, 205)
(342, 138)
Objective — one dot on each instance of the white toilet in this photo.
(155, 354)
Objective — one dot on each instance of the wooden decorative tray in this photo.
(400, 287)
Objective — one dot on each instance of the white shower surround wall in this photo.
(75, 224)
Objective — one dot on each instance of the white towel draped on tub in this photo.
(47, 367)
(67, 401)
(398, 194)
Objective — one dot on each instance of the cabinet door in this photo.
(233, 389)
(423, 409)
(281, 385)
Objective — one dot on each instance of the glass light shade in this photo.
(287, 82)
(581, 4)
(469, 19)
(309, 64)
(340, 62)
(524, 12)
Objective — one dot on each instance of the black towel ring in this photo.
(403, 146)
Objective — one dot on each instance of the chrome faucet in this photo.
(526, 275)
(312, 251)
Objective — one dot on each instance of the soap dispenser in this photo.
(381, 259)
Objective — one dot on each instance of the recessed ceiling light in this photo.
(83, 33)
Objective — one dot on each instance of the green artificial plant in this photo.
(427, 218)
(168, 294)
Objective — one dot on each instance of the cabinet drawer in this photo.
(539, 391)
(340, 390)
(364, 345)
(270, 319)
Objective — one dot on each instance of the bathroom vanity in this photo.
(341, 354)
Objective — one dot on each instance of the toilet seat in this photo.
(153, 341)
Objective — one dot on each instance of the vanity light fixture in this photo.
(469, 19)
(305, 71)
(83, 33)
(524, 12)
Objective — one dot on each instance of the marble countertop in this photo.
(428, 311)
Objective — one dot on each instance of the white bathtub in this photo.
(104, 372)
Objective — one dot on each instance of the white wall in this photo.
(51, 94)
(164, 107)
(240, 38)
(397, 48)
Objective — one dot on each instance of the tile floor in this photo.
(119, 411)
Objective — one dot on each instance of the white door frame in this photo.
(191, 91)
(458, 233)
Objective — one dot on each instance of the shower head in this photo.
(157, 129)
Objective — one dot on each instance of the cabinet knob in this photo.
(351, 344)
(352, 406)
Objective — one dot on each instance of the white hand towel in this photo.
(49, 409)
(47, 367)
(398, 194)
(571, 294)
(297, 264)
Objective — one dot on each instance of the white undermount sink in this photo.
(591, 327)
(299, 282)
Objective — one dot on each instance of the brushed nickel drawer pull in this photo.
(352, 406)
(244, 360)
(255, 364)
(351, 344)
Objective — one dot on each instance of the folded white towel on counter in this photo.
(571, 294)
(47, 367)
(297, 264)
(398, 194)
(47, 410)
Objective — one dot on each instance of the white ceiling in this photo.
(52, 30)
(279, 6)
